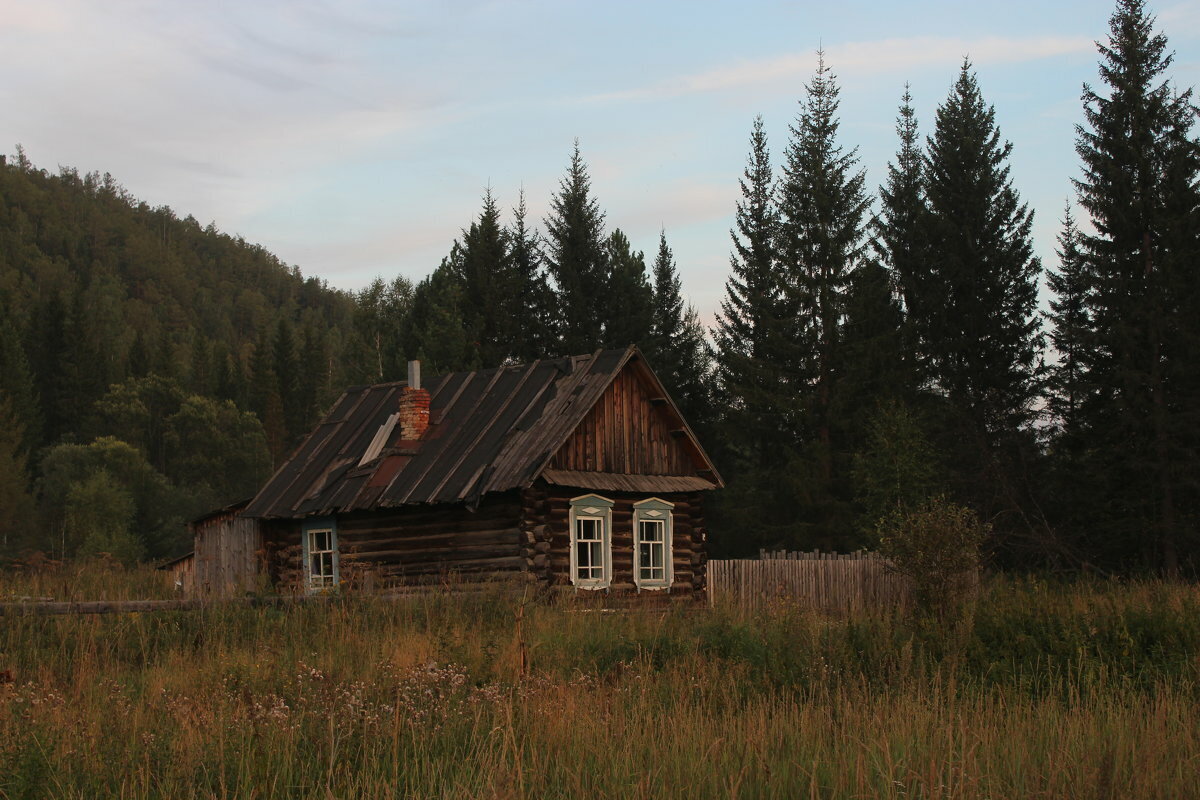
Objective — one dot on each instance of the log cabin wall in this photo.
(412, 545)
(624, 433)
(228, 549)
(545, 523)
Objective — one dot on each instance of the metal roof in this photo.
(490, 431)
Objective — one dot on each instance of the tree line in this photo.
(870, 352)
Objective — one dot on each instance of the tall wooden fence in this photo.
(835, 582)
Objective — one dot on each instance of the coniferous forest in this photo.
(877, 346)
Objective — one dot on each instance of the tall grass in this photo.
(1062, 691)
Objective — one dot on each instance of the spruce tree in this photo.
(750, 319)
(483, 266)
(534, 333)
(823, 208)
(749, 334)
(576, 259)
(628, 304)
(668, 309)
(677, 347)
(1070, 333)
(975, 309)
(898, 231)
(1141, 167)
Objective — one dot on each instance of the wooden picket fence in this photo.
(832, 582)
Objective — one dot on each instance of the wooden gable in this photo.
(633, 429)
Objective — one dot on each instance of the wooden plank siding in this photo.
(227, 556)
(625, 432)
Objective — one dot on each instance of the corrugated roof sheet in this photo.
(491, 430)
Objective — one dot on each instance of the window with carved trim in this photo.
(591, 542)
(652, 544)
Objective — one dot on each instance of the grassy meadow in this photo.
(1059, 691)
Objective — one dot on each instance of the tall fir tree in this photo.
(750, 320)
(748, 336)
(576, 259)
(1141, 169)
(975, 308)
(677, 346)
(534, 331)
(1070, 334)
(483, 266)
(627, 305)
(899, 229)
(667, 305)
(823, 210)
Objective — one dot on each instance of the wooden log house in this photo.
(578, 473)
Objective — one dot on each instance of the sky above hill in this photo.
(355, 139)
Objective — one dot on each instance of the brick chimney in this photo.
(414, 406)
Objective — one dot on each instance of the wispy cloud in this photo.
(868, 57)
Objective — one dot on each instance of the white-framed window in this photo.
(591, 541)
(320, 554)
(652, 544)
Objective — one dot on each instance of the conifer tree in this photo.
(576, 259)
(823, 208)
(898, 231)
(750, 319)
(17, 386)
(876, 370)
(1141, 168)
(288, 382)
(534, 334)
(435, 330)
(1070, 333)
(483, 266)
(667, 306)
(627, 305)
(677, 347)
(977, 305)
(49, 354)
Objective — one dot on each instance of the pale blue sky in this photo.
(356, 139)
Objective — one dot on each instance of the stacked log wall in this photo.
(419, 544)
(546, 516)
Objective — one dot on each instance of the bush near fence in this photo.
(832, 582)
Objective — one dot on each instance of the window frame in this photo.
(314, 526)
(594, 507)
(654, 509)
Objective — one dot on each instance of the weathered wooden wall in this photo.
(545, 523)
(847, 584)
(625, 432)
(227, 556)
(181, 575)
(418, 544)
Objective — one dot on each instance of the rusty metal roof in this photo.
(490, 431)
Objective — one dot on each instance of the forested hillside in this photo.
(123, 321)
